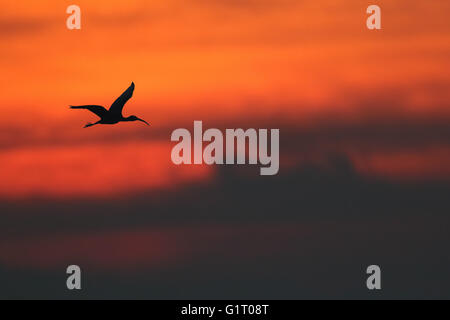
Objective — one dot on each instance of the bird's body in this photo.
(114, 114)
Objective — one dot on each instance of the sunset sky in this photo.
(380, 99)
(305, 64)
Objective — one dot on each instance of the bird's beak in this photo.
(143, 121)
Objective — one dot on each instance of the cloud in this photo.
(92, 170)
(17, 27)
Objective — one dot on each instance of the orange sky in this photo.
(215, 60)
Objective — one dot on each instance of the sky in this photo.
(336, 90)
(305, 64)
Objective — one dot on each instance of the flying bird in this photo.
(114, 114)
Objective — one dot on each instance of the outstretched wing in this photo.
(98, 110)
(117, 106)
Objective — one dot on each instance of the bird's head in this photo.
(134, 118)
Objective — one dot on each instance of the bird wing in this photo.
(117, 106)
(98, 110)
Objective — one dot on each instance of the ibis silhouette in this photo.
(114, 114)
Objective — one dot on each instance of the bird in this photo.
(114, 114)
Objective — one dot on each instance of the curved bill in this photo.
(143, 121)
